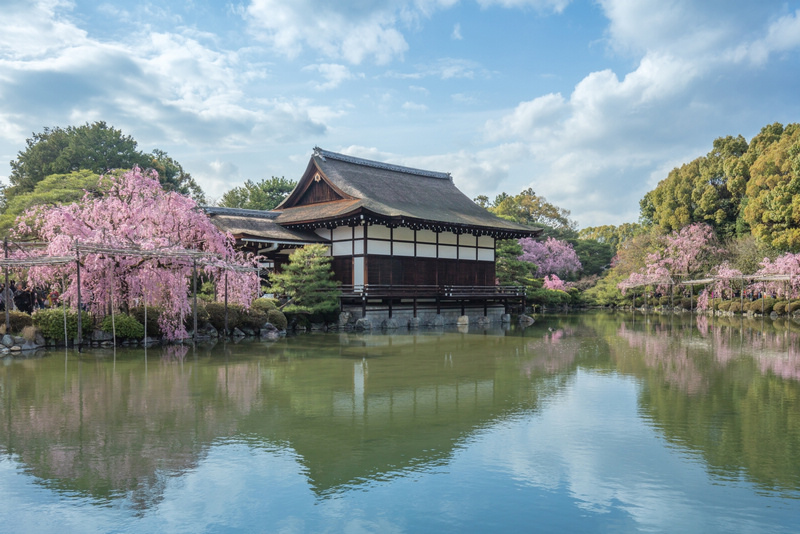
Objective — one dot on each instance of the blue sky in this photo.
(589, 103)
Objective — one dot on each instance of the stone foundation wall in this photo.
(403, 316)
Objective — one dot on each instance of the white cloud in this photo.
(612, 139)
(456, 33)
(556, 6)
(33, 31)
(782, 35)
(413, 106)
(332, 29)
(445, 69)
(333, 74)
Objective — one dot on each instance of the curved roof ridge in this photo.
(240, 212)
(325, 154)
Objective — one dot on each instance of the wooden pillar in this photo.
(741, 301)
(226, 302)
(194, 290)
(78, 276)
(671, 296)
(6, 292)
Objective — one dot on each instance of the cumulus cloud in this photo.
(336, 30)
(612, 139)
(333, 74)
(33, 31)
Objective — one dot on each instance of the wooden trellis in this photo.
(196, 256)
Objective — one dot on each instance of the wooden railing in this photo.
(421, 291)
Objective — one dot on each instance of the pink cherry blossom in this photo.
(132, 211)
(551, 256)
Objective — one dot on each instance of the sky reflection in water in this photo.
(599, 425)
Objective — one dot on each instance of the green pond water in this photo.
(579, 423)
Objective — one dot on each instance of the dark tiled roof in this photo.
(394, 192)
(256, 224)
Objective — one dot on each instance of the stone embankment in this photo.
(10, 344)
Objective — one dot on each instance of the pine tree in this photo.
(308, 281)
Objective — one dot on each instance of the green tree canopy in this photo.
(708, 189)
(262, 195)
(509, 269)
(94, 147)
(594, 256)
(531, 209)
(308, 281)
(610, 234)
(773, 191)
(53, 190)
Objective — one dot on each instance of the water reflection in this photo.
(725, 388)
(570, 401)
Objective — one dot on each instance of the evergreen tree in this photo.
(263, 195)
(308, 281)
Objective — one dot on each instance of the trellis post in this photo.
(741, 294)
(78, 277)
(226, 302)
(194, 290)
(5, 290)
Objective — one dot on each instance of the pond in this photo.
(580, 423)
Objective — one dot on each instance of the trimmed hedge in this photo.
(735, 306)
(756, 305)
(265, 304)
(202, 315)
(780, 307)
(125, 326)
(793, 306)
(153, 328)
(253, 318)
(17, 321)
(51, 322)
(277, 319)
(216, 315)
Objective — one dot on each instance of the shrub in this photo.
(688, 303)
(125, 325)
(735, 306)
(724, 305)
(780, 307)
(253, 318)
(766, 302)
(216, 315)
(265, 304)
(202, 316)
(277, 319)
(548, 297)
(153, 328)
(51, 322)
(664, 300)
(17, 320)
(793, 306)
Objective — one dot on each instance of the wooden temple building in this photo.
(404, 242)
